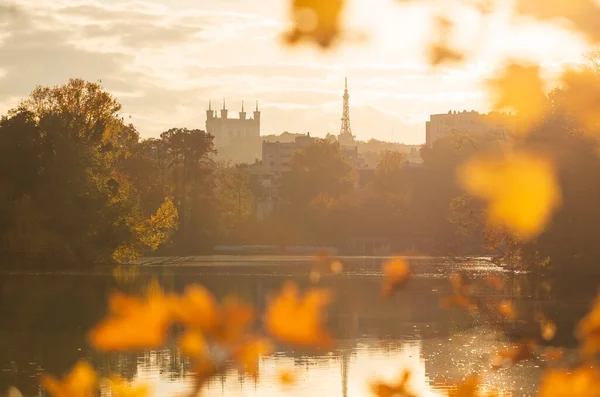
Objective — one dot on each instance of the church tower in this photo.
(231, 131)
(346, 137)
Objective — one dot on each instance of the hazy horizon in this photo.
(164, 62)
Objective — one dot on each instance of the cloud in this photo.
(164, 59)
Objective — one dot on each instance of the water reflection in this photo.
(45, 317)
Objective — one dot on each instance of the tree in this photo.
(319, 169)
(64, 152)
(191, 175)
(317, 175)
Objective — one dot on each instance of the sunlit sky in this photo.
(164, 59)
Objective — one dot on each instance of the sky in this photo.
(164, 60)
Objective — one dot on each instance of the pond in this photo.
(45, 317)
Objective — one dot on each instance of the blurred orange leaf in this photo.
(82, 381)
(337, 267)
(287, 377)
(507, 310)
(520, 352)
(197, 308)
(580, 382)
(548, 329)
(582, 89)
(520, 88)
(297, 319)
(247, 355)
(133, 323)
(234, 319)
(467, 388)
(588, 330)
(315, 20)
(396, 273)
(520, 188)
(192, 344)
(440, 53)
(553, 353)
(121, 388)
(398, 389)
(583, 14)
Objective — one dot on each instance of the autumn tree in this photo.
(66, 194)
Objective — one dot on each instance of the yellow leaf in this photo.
(133, 323)
(121, 388)
(297, 319)
(396, 273)
(82, 381)
(581, 382)
(520, 88)
(521, 190)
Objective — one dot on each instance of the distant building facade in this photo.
(227, 131)
(276, 155)
(500, 125)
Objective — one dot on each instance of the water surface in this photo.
(45, 317)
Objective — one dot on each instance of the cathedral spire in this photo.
(346, 131)
(257, 106)
(209, 104)
(224, 103)
(242, 106)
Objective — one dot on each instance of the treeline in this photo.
(423, 210)
(78, 185)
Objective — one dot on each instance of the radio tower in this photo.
(346, 137)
